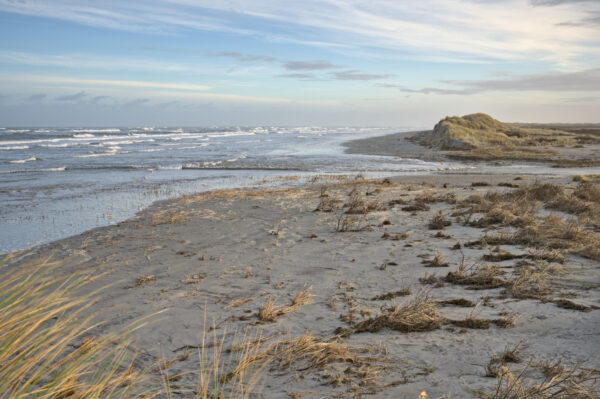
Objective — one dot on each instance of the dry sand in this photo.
(222, 255)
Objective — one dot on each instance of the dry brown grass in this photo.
(357, 205)
(555, 232)
(561, 382)
(439, 222)
(168, 217)
(568, 304)
(499, 255)
(270, 311)
(437, 261)
(363, 364)
(47, 349)
(476, 278)
(531, 284)
(509, 355)
(328, 204)
(391, 295)
(587, 178)
(350, 223)
(418, 314)
(145, 280)
(417, 207)
(395, 236)
(462, 302)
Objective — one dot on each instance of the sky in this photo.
(309, 62)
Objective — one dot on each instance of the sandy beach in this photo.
(342, 262)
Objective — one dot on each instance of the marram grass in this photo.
(47, 349)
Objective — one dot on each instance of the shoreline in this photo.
(231, 252)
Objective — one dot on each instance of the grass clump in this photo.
(436, 261)
(568, 304)
(533, 382)
(530, 284)
(145, 280)
(462, 302)
(309, 353)
(418, 314)
(417, 207)
(270, 311)
(391, 295)
(439, 222)
(509, 355)
(47, 349)
(327, 204)
(479, 278)
(586, 178)
(350, 223)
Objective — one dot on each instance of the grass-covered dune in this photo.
(479, 136)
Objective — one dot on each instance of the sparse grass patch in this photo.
(436, 261)
(350, 223)
(145, 280)
(564, 382)
(418, 314)
(417, 207)
(328, 204)
(462, 302)
(270, 311)
(391, 295)
(362, 364)
(394, 236)
(168, 217)
(568, 304)
(586, 178)
(509, 355)
(478, 278)
(439, 222)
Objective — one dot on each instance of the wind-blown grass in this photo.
(47, 349)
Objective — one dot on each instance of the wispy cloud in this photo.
(357, 75)
(246, 57)
(59, 80)
(36, 97)
(318, 65)
(557, 2)
(73, 97)
(463, 30)
(301, 76)
(90, 61)
(580, 81)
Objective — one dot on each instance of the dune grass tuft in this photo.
(47, 346)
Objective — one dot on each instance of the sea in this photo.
(57, 182)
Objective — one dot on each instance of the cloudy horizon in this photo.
(326, 62)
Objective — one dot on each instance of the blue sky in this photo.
(315, 62)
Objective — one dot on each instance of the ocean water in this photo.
(56, 182)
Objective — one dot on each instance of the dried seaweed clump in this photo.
(418, 314)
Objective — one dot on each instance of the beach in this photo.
(406, 284)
